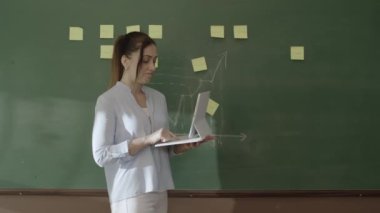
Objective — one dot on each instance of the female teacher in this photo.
(130, 117)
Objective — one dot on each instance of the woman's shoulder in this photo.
(109, 94)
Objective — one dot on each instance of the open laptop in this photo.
(199, 128)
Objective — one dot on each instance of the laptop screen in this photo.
(199, 123)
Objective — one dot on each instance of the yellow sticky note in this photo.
(199, 64)
(76, 34)
(297, 53)
(212, 107)
(133, 28)
(155, 31)
(106, 51)
(217, 31)
(241, 31)
(106, 31)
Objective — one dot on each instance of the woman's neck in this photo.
(137, 92)
(136, 88)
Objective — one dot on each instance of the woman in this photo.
(129, 118)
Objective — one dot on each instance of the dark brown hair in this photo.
(126, 45)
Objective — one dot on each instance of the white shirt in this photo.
(118, 120)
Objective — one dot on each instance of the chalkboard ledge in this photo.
(200, 193)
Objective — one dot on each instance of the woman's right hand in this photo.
(161, 135)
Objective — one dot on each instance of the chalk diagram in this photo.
(186, 102)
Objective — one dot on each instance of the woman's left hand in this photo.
(187, 146)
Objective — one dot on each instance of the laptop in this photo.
(199, 128)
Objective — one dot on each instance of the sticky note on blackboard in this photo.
(106, 31)
(297, 53)
(106, 51)
(217, 31)
(155, 31)
(212, 107)
(240, 31)
(133, 28)
(76, 34)
(199, 64)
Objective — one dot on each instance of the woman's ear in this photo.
(125, 61)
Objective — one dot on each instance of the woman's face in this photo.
(148, 63)
(147, 67)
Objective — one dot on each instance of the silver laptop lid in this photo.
(199, 123)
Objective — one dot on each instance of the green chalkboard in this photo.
(281, 123)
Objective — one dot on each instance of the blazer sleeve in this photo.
(104, 149)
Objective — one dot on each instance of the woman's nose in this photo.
(153, 66)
